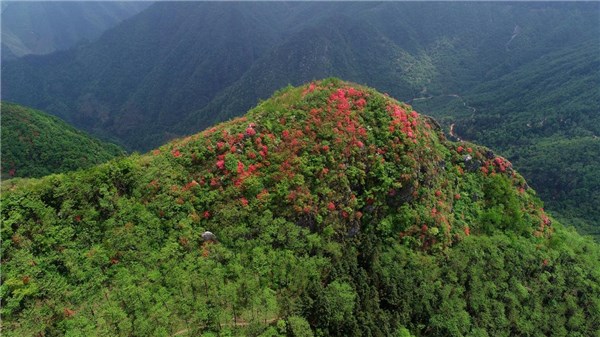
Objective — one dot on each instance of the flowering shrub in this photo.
(341, 153)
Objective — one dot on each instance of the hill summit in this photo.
(329, 209)
(339, 158)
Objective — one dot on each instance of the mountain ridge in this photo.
(35, 144)
(42, 28)
(158, 76)
(333, 210)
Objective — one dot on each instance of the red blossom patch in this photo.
(190, 185)
(176, 153)
(360, 103)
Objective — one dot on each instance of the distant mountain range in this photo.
(36, 27)
(491, 69)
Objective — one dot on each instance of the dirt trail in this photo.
(516, 32)
(452, 132)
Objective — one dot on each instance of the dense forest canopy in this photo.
(334, 210)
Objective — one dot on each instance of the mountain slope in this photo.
(143, 78)
(178, 68)
(546, 121)
(35, 144)
(44, 27)
(139, 78)
(336, 210)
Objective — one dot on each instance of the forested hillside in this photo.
(42, 27)
(35, 144)
(490, 69)
(333, 210)
(546, 121)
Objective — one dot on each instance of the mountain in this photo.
(545, 120)
(329, 209)
(177, 68)
(36, 27)
(162, 68)
(35, 144)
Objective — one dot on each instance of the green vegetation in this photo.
(545, 120)
(177, 68)
(35, 144)
(338, 211)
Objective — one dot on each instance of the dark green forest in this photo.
(35, 144)
(335, 210)
(521, 78)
